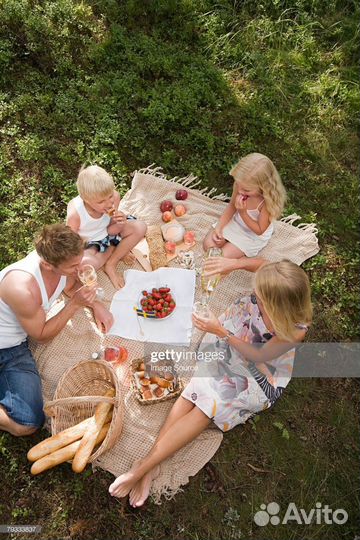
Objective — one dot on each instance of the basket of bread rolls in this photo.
(87, 415)
(154, 385)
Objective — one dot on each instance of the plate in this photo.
(139, 306)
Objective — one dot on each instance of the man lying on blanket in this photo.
(28, 288)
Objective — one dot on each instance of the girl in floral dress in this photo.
(257, 336)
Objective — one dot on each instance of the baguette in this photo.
(63, 454)
(64, 438)
(92, 431)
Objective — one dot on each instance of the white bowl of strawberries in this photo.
(158, 303)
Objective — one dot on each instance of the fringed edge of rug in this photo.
(189, 181)
(165, 492)
(306, 227)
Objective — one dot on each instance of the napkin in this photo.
(174, 329)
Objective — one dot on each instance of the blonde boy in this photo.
(94, 215)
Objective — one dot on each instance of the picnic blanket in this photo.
(80, 338)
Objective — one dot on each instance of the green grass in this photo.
(193, 86)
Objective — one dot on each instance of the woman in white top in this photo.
(246, 225)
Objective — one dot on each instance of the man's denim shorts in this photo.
(20, 386)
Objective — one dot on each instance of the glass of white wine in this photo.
(88, 277)
(209, 283)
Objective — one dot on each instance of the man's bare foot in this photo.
(115, 278)
(141, 490)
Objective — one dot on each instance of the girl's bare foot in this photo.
(115, 278)
(125, 482)
(141, 490)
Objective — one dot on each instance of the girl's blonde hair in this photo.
(258, 171)
(94, 182)
(284, 289)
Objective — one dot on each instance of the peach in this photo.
(167, 216)
(179, 210)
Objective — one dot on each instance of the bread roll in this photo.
(92, 431)
(155, 240)
(64, 438)
(163, 383)
(63, 454)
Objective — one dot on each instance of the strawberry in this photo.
(154, 291)
(144, 293)
(164, 290)
(168, 298)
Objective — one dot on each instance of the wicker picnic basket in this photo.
(78, 392)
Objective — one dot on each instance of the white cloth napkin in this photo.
(174, 329)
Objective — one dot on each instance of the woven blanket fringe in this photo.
(307, 227)
(189, 181)
(166, 491)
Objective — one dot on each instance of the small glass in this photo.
(189, 238)
(201, 310)
(88, 277)
(170, 247)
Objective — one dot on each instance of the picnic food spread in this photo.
(157, 303)
(156, 386)
(76, 443)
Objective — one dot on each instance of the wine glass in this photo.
(209, 283)
(201, 310)
(88, 277)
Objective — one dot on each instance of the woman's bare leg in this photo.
(184, 430)
(140, 491)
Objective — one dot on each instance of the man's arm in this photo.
(23, 299)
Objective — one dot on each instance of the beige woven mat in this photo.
(80, 338)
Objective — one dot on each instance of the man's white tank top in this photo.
(91, 229)
(11, 331)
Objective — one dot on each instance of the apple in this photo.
(167, 216)
(181, 195)
(179, 210)
(166, 206)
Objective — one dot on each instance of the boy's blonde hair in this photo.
(284, 289)
(258, 171)
(94, 182)
(58, 244)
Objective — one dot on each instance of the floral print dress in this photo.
(230, 391)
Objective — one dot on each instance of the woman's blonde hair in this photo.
(94, 182)
(258, 171)
(284, 289)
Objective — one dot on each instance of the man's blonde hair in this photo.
(94, 182)
(258, 171)
(284, 289)
(58, 243)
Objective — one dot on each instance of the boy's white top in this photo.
(11, 331)
(91, 229)
(239, 234)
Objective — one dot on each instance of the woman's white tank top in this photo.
(91, 229)
(11, 331)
